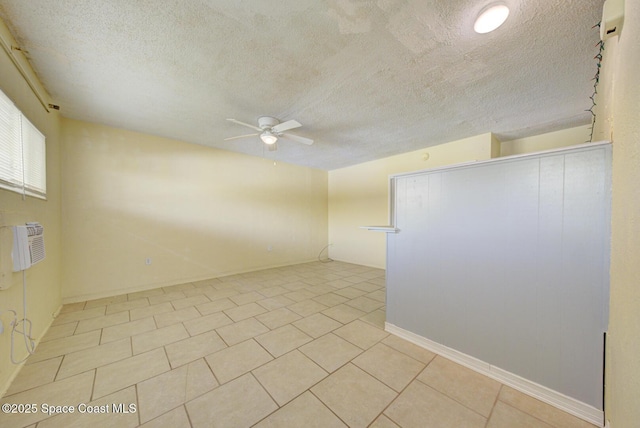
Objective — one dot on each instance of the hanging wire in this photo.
(328, 259)
(596, 80)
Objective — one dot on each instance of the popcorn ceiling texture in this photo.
(366, 79)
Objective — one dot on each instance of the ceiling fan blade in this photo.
(240, 136)
(285, 126)
(245, 124)
(298, 139)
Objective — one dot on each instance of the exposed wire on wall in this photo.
(21, 327)
(29, 343)
(596, 80)
(327, 260)
(28, 340)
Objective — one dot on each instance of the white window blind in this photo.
(11, 153)
(22, 152)
(34, 159)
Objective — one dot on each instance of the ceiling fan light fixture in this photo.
(490, 18)
(268, 138)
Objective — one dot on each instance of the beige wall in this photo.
(43, 279)
(358, 196)
(196, 212)
(548, 141)
(618, 118)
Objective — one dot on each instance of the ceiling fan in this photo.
(270, 129)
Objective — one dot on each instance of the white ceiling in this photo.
(367, 79)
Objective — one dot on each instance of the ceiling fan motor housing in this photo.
(267, 122)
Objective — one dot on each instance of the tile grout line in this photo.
(415, 378)
(494, 405)
(138, 404)
(453, 398)
(295, 397)
(327, 407)
(553, 425)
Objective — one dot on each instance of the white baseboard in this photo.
(570, 405)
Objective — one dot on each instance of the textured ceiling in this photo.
(367, 79)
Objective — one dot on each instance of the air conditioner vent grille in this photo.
(37, 249)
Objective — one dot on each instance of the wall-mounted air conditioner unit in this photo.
(28, 246)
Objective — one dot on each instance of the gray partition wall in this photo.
(507, 261)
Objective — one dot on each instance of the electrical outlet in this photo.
(270, 248)
(147, 261)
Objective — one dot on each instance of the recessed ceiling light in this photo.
(491, 18)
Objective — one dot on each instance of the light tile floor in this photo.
(298, 346)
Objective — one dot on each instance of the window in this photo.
(23, 167)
